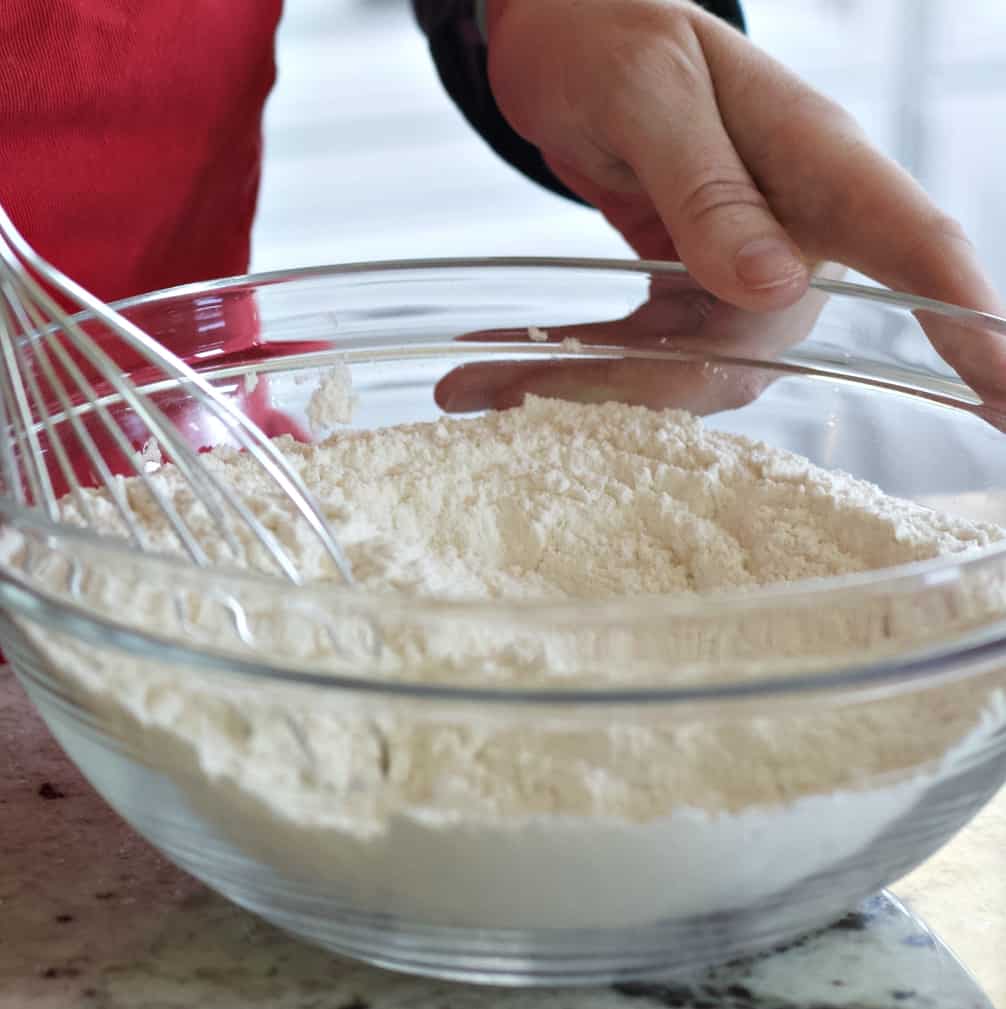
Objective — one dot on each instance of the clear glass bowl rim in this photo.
(925, 663)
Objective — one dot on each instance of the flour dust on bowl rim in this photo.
(559, 789)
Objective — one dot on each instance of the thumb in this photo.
(673, 138)
(721, 224)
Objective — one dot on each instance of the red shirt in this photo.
(130, 153)
(130, 134)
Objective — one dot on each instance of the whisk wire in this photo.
(113, 484)
(33, 320)
(53, 439)
(209, 490)
(94, 457)
(248, 436)
(47, 337)
(8, 462)
(11, 449)
(34, 468)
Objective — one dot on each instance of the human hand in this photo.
(693, 334)
(697, 146)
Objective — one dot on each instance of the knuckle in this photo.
(652, 59)
(938, 237)
(947, 227)
(712, 196)
(818, 108)
(811, 111)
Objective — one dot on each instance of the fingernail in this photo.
(766, 263)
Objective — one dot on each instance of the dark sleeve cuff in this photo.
(459, 54)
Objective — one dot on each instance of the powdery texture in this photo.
(425, 806)
(333, 402)
(564, 501)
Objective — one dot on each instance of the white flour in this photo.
(333, 402)
(463, 816)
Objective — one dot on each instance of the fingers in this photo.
(667, 126)
(840, 199)
(699, 387)
(676, 317)
(850, 203)
(692, 141)
(694, 382)
(890, 230)
(887, 228)
(668, 315)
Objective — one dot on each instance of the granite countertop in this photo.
(91, 917)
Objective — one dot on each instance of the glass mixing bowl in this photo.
(259, 735)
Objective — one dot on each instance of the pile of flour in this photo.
(642, 814)
(332, 403)
(557, 500)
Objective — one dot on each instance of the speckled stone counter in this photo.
(92, 918)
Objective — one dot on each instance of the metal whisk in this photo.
(45, 392)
